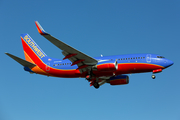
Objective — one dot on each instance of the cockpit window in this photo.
(160, 57)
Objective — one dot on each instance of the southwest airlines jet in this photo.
(75, 64)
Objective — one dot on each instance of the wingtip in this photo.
(6, 53)
(40, 29)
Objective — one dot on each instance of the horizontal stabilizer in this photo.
(21, 61)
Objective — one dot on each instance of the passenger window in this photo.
(160, 57)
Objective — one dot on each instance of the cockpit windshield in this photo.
(160, 57)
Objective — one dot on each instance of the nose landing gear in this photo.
(153, 76)
(156, 71)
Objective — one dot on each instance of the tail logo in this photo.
(33, 46)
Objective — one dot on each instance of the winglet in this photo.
(40, 29)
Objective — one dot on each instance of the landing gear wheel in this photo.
(96, 85)
(153, 76)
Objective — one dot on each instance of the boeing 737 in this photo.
(75, 64)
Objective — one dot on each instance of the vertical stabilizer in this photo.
(33, 53)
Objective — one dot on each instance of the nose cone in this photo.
(169, 62)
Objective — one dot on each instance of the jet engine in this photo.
(106, 66)
(119, 80)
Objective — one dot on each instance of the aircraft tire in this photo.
(153, 76)
(96, 85)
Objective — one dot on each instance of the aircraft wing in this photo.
(83, 61)
(21, 61)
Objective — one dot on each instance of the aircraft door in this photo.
(148, 58)
(48, 67)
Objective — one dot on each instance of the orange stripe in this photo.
(36, 69)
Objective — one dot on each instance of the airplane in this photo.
(76, 64)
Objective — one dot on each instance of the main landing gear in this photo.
(96, 85)
(92, 81)
(88, 77)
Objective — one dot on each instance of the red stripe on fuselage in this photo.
(127, 68)
(138, 67)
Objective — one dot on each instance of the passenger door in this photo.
(148, 58)
(48, 67)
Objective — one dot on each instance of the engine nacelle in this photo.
(119, 80)
(106, 66)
